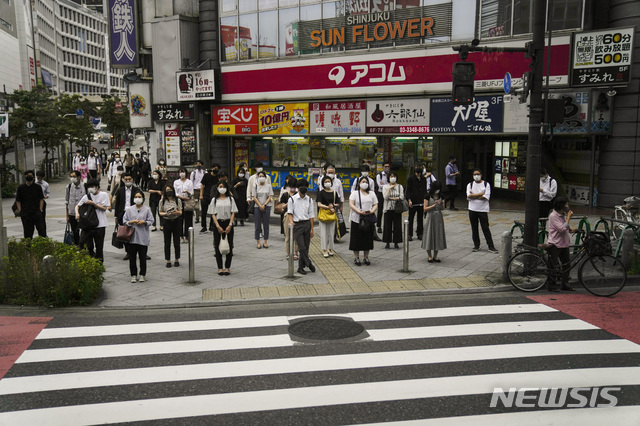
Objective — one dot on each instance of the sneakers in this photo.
(331, 252)
(134, 279)
(476, 249)
(493, 250)
(325, 254)
(141, 279)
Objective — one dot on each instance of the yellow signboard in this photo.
(283, 119)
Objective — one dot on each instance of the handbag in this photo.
(401, 206)
(223, 247)
(88, 216)
(340, 225)
(114, 239)
(366, 220)
(125, 233)
(68, 235)
(280, 207)
(326, 215)
(191, 204)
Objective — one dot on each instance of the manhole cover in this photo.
(325, 329)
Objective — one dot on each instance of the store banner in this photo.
(174, 112)
(139, 102)
(196, 85)
(601, 58)
(234, 119)
(516, 116)
(601, 107)
(576, 110)
(484, 115)
(337, 118)
(284, 119)
(172, 143)
(4, 125)
(123, 33)
(410, 116)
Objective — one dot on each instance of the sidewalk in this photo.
(262, 274)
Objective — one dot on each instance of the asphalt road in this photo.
(423, 359)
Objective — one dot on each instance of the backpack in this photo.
(471, 183)
(88, 216)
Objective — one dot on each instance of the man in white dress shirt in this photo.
(302, 211)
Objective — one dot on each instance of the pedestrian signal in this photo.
(462, 84)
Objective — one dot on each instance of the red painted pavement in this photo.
(619, 314)
(16, 335)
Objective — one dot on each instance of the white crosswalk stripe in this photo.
(265, 371)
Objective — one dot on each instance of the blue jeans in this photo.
(261, 218)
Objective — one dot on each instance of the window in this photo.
(229, 33)
(288, 19)
(268, 33)
(248, 40)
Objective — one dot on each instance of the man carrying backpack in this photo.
(73, 194)
(548, 191)
(478, 194)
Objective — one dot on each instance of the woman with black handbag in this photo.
(393, 194)
(223, 209)
(363, 203)
(139, 218)
(184, 191)
(171, 211)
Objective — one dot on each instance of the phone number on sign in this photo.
(414, 129)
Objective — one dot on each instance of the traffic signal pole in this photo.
(532, 185)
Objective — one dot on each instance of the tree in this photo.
(77, 130)
(115, 121)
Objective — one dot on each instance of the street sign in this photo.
(507, 83)
(31, 127)
(79, 113)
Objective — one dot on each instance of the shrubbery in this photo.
(72, 277)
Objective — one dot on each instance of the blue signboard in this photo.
(507, 83)
(123, 34)
(278, 175)
(484, 115)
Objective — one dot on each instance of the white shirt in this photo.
(301, 208)
(196, 178)
(429, 180)
(127, 196)
(382, 179)
(92, 163)
(179, 186)
(368, 201)
(479, 204)
(549, 189)
(101, 198)
(251, 185)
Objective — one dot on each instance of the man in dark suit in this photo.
(124, 199)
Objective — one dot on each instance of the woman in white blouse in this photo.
(223, 210)
(184, 191)
(262, 195)
(364, 203)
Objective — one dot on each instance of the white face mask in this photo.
(327, 185)
(392, 180)
(259, 169)
(364, 173)
(331, 175)
(437, 192)
(155, 177)
(241, 175)
(83, 162)
(364, 185)
(92, 191)
(138, 201)
(74, 180)
(477, 178)
(161, 163)
(222, 190)
(183, 175)
(128, 184)
(262, 179)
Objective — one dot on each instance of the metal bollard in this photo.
(292, 250)
(507, 242)
(192, 254)
(405, 246)
(48, 262)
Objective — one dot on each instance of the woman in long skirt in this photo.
(434, 238)
(363, 203)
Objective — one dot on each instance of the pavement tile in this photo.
(212, 294)
(324, 289)
(305, 290)
(250, 293)
(287, 291)
(268, 292)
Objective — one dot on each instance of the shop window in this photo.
(248, 39)
(288, 22)
(268, 34)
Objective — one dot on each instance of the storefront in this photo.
(179, 134)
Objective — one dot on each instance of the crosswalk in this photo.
(481, 364)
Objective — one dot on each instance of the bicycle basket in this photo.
(598, 244)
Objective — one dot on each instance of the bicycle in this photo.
(598, 272)
(627, 212)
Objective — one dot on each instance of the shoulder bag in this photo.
(125, 233)
(280, 207)
(366, 220)
(401, 205)
(68, 235)
(325, 215)
(191, 204)
(114, 239)
(88, 216)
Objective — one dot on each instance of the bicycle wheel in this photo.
(527, 271)
(616, 227)
(602, 275)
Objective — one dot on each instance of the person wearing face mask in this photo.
(117, 182)
(363, 202)
(73, 194)
(416, 194)
(184, 190)
(548, 191)
(239, 183)
(46, 192)
(559, 241)
(93, 239)
(103, 161)
(222, 210)
(251, 184)
(129, 160)
(145, 170)
(262, 195)
(92, 165)
(429, 178)
(113, 169)
(156, 184)
(364, 172)
(336, 185)
(301, 213)
(327, 200)
(170, 210)
(196, 178)
(434, 238)
(139, 217)
(30, 203)
(162, 167)
(452, 173)
(289, 190)
(393, 194)
(208, 186)
(123, 200)
(83, 169)
(478, 194)
(382, 179)
(76, 160)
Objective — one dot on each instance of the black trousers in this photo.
(153, 205)
(413, 211)
(73, 223)
(561, 256)
(32, 221)
(545, 208)
(141, 251)
(451, 195)
(216, 244)
(93, 240)
(204, 206)
(392, 231)
(172, 229)
(187, 220)
(379, 212)
(483, 218)
(93, 174)
(302, 237)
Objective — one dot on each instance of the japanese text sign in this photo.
(576, 108)
(398, 116)
(123, 34)
(234, 119)
(174, 112)
(346, 117)
(602, 57)
(196, 85)
(484, 115)
(284, 119)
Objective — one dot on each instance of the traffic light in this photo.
(462, 84)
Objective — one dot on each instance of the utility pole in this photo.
(532, 186)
